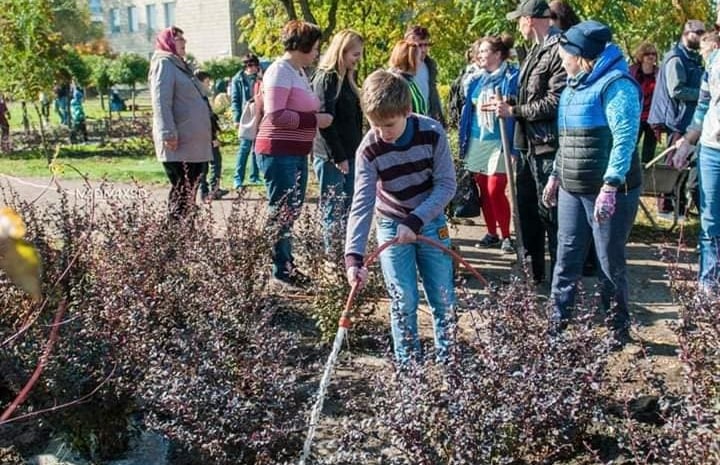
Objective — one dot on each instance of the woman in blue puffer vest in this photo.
(596, 181)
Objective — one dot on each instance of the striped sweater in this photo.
(411, 182)
(289, 124)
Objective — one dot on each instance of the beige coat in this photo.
(179, 111)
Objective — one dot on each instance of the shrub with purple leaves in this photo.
(512, 392)
(175, 319)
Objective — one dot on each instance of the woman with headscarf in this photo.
(596, 179)
(181, 120)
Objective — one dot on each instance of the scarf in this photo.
(165, 41)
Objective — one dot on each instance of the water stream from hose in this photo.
(344, 326)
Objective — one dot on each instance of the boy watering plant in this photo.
(405, 174)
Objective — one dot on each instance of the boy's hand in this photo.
(357, 275)
(405, 235)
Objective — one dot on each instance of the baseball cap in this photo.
(531, 8)
(694, 25)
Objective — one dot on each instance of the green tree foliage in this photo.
(75, 66)
(129, 69)
(99, 75)
(31, 52)
(72, 20)
(223, 67)
(455, 24)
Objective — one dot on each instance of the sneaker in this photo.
(667, 216)
(620, 337)
(507, 246)
(488, 241)
(255, 181)
(219, 193)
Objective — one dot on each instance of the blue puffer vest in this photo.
(676, 114)
(585, 137)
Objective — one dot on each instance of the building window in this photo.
(114, 20)
(96, 10)
(151, 17)
(169, 13)
(133, 23)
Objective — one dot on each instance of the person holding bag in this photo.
(245, 87)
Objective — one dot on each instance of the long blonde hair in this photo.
(333, 60)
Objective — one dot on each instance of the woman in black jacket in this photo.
(334, 148)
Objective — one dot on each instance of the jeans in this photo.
(400, 266)
(184, 181)
(709, 177)
(215, 173)
(244, 152)
(576, 228)
(336, 192)
(536, 220)
(285, 182)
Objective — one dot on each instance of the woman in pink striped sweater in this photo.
(284, 140)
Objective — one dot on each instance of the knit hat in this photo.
(531, 8)
(586, 39)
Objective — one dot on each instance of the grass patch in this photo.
(100, 162)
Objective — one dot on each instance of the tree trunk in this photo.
(133, 99)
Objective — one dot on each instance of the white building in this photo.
(209, 25)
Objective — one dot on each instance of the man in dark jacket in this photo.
(426, 77)
(542, 80)
(677, 90)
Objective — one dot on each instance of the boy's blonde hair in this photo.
(385, 95)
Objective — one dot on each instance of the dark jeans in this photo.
(285, 182)
(215, 173)
(648, 140)
(576, 229)
(183, 178)
(536, 220)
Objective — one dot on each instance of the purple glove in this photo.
(604, 205)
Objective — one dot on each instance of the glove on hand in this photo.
(683, 149)
(604, 205)
(549, 196)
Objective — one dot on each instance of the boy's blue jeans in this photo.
(576, 228)
(336, 192)
(401, 265)
(709, 177)
(285, 182)
(244, 152)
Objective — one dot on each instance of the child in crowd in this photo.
(212, 190)
(404, 173)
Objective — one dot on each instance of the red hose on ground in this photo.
(345, 321)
